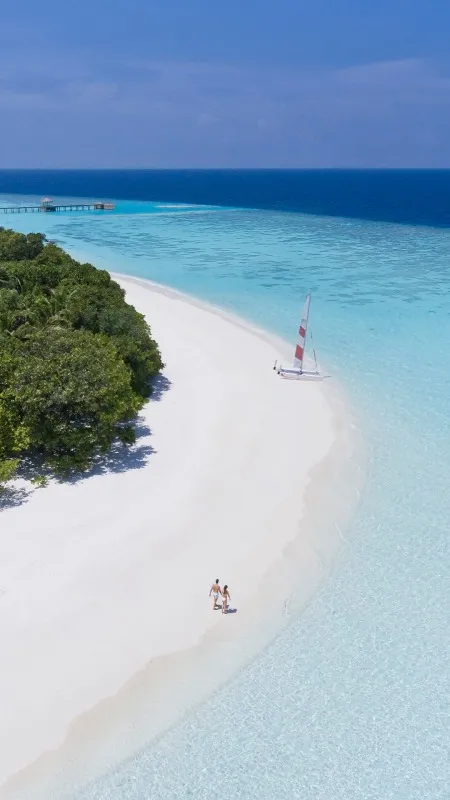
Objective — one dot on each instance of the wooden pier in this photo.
(48, 205)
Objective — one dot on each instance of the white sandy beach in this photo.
(100, 577)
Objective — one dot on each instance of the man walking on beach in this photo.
(215, 590)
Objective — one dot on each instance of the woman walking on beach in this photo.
(226, 596)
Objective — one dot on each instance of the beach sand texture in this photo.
(101, 576)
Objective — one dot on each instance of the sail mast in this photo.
(301, 341)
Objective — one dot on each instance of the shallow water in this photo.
(352, 700)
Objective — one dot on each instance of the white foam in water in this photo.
(352, 701)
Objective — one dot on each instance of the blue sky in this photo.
(276, 83)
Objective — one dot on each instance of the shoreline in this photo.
(163, 688)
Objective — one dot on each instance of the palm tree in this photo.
(11, 282)
(58, 305)
(22, 315)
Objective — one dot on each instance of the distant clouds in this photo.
(167, 113)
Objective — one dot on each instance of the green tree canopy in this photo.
(75, 359)
(20, 246)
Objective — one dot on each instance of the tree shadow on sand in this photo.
(123, 457)
(160, 385)
(120, 458)
(12, 497)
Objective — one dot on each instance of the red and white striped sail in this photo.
(301, 341)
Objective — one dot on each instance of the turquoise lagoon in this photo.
(351, 701)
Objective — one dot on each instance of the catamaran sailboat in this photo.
(297, 371)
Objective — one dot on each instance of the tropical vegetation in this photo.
(76, 360)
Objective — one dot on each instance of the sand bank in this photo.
(105, 576)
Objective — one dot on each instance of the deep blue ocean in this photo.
(416, 197)
(352, 700)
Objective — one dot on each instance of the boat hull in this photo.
(297, 375)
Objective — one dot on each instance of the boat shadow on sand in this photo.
(120, 458)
